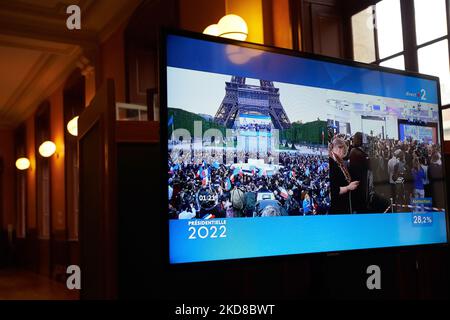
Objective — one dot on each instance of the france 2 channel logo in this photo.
(422, 94)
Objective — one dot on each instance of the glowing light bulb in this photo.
(212, 30)
(233, 27)
(47, 149)
(72, 126)
(22, 163)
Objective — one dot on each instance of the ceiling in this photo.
(38, 52)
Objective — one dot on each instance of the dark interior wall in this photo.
(140, 219)
(43, 191)
(324, 26)
(112, 63)
(7, 153)
(91, 242)
(141, 43)
(191, 20)
(3, 246)
(320, 26)
(74, 103)
(21, 199)
(354, 6)
(98, 189)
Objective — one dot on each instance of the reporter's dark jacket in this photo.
(358, 169)
(340, 203)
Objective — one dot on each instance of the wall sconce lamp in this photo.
(47, 149)
(230, 26)
(212, 30)
(22, 163)
(72, 126)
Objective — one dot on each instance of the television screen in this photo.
(424, 134)
(272, 152)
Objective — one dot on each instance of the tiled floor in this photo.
(23, 285)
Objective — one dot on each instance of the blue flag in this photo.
(170, 121)
(228, 184)
(216, 165)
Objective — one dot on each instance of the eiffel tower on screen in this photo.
(241, 98)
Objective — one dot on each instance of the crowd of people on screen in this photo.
(379, 175)
(256, 127)
(383, 174)
(207, 188)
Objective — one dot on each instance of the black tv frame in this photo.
(164, 202)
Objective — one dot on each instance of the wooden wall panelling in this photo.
(142, 71)
(327, 23)
(3, 239)
(32, 253)
(139, 189)
(21, 199)
(141, 43)
(43, 191)
(98, 215)
(321, 26)
(74, 102)
(59, 253)
(137, 131)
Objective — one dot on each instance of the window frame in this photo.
(379, 60)
(410, 46)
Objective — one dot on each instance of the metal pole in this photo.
(392, 205)
(350, 200)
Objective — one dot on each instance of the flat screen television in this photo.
(274, 152)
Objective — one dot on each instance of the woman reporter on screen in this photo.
(340, 179)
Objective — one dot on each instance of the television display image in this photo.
(422, 133)
(274, 153)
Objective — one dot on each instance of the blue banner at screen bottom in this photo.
(222, 239)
